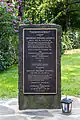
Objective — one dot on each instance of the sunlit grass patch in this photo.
(70, 71)
(9, 82)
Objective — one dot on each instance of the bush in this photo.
(9, 24)
(70, 40)
(8, 39)
(66, 42)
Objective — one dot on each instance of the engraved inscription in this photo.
(39, 58)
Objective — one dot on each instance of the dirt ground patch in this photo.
(72, 51)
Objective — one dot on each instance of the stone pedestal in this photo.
(39, 66)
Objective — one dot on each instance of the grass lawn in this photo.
(70, 74)
(9, 82)
(70, 77)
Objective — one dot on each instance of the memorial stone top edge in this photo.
(41, 26)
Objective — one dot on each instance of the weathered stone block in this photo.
(39, 66)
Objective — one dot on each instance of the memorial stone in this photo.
(39, 66)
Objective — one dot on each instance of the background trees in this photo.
(63, 12)
(13, 12)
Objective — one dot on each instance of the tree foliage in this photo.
(13, 12)
(8, 37)
(63, 12)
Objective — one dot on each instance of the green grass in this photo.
(9, 82)
(70, 77)
(70, 74)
